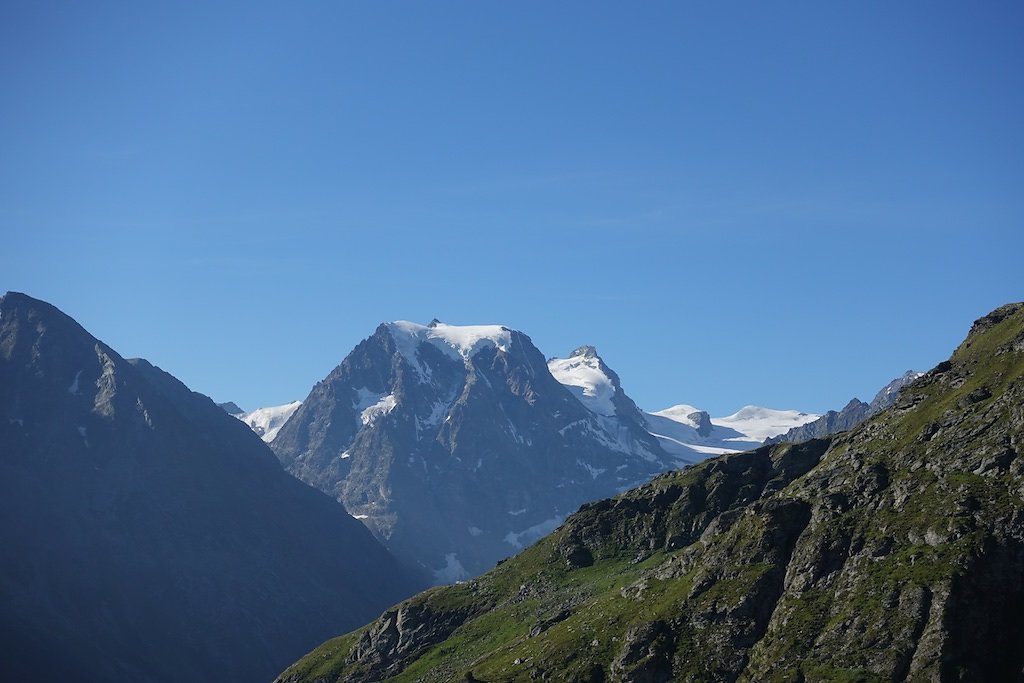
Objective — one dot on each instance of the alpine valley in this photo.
(893, 551)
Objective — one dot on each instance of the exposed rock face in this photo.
(852, 414)
(149, 536)
(893, 551)
(457, 447)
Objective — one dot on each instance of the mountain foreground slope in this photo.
(892, 551)
(149, 536)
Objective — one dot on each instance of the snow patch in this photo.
(516, 513)
(574, 423)
(475, 531)
(267, 422)
(452, 571)
(533, 533)
(372, 405)
(361, 516)
(73, 389)
(595, 472)
(81, 433)
(439, 410)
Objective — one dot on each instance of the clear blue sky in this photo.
(784, 204)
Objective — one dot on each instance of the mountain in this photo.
(852, 414)
(893, 551)
(888, 394)
(457, 446)
(231, 408)
(149, 536)
(692, 435)
(267, 422)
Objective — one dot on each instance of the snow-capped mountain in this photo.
(457, 446)
(683, 431)
(691, 434)
(267, 422)
(756, 424)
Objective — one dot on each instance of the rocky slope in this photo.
(149, 536)
(457, 447)
(892, 551)
(852, 414)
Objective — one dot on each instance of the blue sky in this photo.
(784, 204)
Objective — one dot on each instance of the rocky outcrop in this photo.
(892, 551)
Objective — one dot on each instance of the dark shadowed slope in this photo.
(149, 536)
(893, 551)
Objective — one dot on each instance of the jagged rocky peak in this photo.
(231, 408)
(890, 392)
(595, 384)
(701, 421)
(584, 352)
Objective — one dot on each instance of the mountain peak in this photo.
(584, 352)
(456, 341)
(231, 408)
(586, 375)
